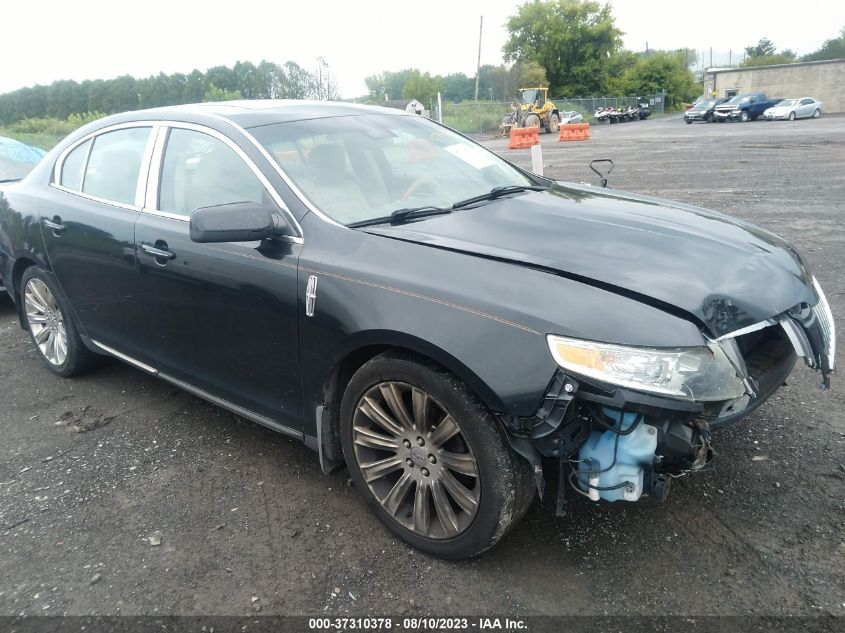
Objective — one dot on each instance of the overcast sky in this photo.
(89, 39)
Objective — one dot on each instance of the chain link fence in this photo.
(485, 117)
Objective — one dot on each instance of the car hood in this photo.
(719, 271)
(780, 109)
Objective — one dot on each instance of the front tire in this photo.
(532, 120)
(554, 123)
(51, 326)
(429, 459)
(743, 116)
(791, 116)
(817, 113)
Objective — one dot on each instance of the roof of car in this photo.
(257, 112)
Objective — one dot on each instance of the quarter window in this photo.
(73, 166)
(199, 170)
(112, 170)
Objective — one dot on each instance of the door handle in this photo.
(158, 253)
(55, 225)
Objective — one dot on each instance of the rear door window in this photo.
(73, 166)
(114, 165)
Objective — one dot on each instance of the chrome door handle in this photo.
(158, 253)
(56, 227)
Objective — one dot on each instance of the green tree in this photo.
(388, 83)
(573, 40)
(324, 85)
(785, 57)
(213, 93)
(764, 53)
(661, 70)
(422, 87)
(761, 49)
(833, 48)
(297, 83)
(530, 74)
(458, 87)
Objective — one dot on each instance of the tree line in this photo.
(244, 80)
(765, 53)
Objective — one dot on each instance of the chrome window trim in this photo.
(291, 185)
(143, 173)
(57, 168)
(140, 186)
(154, 176)
(112, 203)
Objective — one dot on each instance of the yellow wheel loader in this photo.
(533, 110)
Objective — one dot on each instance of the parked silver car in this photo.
(571, 116)
(791, 109)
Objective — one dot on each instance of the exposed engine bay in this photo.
(616, 444)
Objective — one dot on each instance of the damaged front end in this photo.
(623, 422)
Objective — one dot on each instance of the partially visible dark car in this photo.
(703, 109)
(16, 161)
(453, 329)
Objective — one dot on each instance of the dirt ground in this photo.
(120, 494)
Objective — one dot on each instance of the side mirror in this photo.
(236, 222)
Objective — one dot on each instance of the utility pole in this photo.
(711, 57)
(646, 49)
(478, 65)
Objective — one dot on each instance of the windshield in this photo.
(788, 102)
(529, 96)
(358, 168)
(740, 99)
(705, 104)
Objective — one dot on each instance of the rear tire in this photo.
(51, 326)
(412, 488)
(532, 120)
(554, 123)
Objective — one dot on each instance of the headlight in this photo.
(689, 373)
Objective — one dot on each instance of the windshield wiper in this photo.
(403, 215)
(411, 213)
(497, 192)
(10, 179)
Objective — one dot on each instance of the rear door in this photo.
(805, 107)
(223, 317)
(88, 223)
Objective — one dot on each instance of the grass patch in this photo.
(46, 132)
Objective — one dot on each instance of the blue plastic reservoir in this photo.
(634, 453)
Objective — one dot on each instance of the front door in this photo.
(88, 224)
(222, 317)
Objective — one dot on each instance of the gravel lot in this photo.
(120, 494)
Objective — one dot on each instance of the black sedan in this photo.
(461, 334)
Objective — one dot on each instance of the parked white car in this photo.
(791, 109)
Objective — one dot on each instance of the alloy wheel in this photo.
(45, 321)
(415, 460)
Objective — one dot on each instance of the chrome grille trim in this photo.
(825, 319)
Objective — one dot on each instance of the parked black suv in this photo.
(703, 109)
